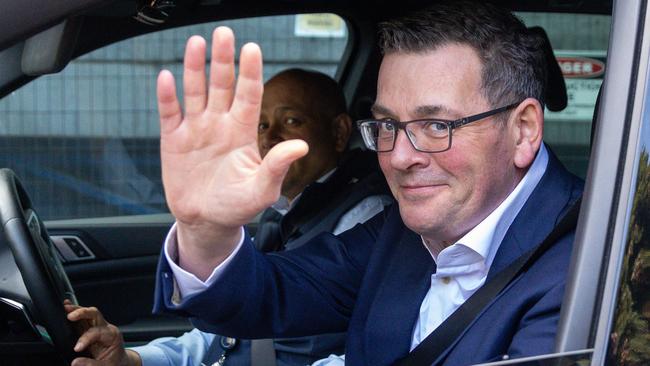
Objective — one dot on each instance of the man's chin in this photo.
(419, 217)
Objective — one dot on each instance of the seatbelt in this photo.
(444, 336)
(262, 352)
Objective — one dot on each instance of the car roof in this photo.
(40, 36)
(21, 19)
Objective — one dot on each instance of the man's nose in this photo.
(404, 155)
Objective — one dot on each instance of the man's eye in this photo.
(386, 127)
(434, 127)
(292, 121)
(262, 126)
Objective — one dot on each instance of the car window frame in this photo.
(602, 226)
(594, 275)
(639, 94)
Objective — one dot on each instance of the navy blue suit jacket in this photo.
(372, 279)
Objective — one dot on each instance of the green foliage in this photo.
(630, 340)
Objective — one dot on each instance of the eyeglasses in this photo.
(426, 135)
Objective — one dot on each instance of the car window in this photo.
(580, 45)
(85, 141)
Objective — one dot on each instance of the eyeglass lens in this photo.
(428, 136)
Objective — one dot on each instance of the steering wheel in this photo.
(39, 265)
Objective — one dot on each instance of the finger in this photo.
(248, 93)
(222, 70)
(100, 337)
(83, 361)
(91, 336)
(69, 307)
(194, 89)
(168, 106)
(81, 325)
(276, 164)
(90, 313)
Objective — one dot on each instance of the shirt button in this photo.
(446, 280)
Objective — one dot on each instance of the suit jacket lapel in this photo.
(543, 210)
(397, 303)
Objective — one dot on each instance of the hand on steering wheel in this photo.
(102, 339)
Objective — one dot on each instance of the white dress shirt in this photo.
(461, 268)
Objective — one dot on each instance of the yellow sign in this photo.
(319, 25)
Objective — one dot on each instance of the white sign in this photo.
(582, 94)
(319, 25)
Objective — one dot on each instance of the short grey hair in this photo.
(513, 60)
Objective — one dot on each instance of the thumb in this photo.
(276, 164)
(84, 361)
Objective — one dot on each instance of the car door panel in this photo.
(120, 280)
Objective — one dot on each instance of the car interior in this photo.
(83, 207)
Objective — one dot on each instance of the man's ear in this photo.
(342, 128)
(527, 127)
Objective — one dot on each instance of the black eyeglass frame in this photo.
(451, 125)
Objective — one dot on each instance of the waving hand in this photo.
(215, 180)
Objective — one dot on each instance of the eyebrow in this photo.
(423, 111)
(283, 108)
(377, 109)
(434, 110)
(278, 111)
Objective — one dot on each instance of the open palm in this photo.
(215, 180)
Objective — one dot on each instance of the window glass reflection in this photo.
(629, 342)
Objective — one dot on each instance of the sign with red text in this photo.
(583, 73)
(580, 67)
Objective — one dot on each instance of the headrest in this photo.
(556, 96)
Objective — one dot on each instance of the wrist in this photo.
(199, 252)
(132, 358)
(206, 238)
